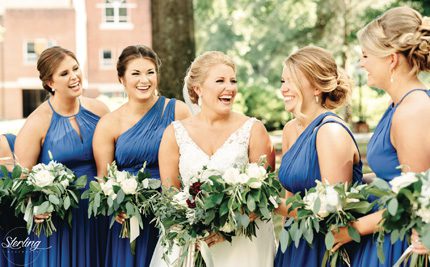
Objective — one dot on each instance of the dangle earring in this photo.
(316, 99)
(391, 78)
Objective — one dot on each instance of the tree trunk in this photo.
(173, 41)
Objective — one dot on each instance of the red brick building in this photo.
(96, 30)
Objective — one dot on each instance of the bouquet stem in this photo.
(48, 225)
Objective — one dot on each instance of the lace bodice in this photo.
(192, 158)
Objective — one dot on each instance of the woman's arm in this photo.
(168, 159)
(29, 141)
(104, 143)
(260, 144)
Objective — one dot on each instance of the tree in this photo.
(173, 40)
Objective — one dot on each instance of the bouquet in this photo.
(406, 205)
(49, 188)
(323, 209)
(212, 202)
(240, 192)
(183, 222)
(121, 191)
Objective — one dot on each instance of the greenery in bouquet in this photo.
(321, 210)
(239, 193)
(47, 188)
(123, 192)
(6, 180)
(406, 204)
(183, 222)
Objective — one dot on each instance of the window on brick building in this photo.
(106, 59)
(32, 49)
(30, 52)
(115, 11)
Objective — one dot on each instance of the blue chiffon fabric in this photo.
(138, 144)
(84, 243)
(298, 171)
(383, 159)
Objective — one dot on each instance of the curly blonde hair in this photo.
(399, 30)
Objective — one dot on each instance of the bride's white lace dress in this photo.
(259, 251)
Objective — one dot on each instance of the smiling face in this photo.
(296, 96)
(140, 79)
(219, 88)
(378, 69)
(67, 78)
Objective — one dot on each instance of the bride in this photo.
(217, 138)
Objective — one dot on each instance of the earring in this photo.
(316, 99)
(391, 78)
(52, 89)
(199, 101)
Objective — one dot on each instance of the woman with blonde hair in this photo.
(317, 143)
(218, 138)
(395, 50)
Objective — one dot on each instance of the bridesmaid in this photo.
(317, 143)
(131, 135)
(395, 49)
(63, 125)
(10, 226)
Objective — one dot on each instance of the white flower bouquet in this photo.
(231, 198)
(48, 188)
(406, 204)
(121, 191)
(321, 210)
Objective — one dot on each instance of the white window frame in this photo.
(30, 58)
(41, 43)
(106, 63)
(116, 23)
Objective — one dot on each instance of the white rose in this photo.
(230, 175)
(403, 181)
(43, 178)
(323, 211)
(181, 198)
(120, 176)
(129, 186)
(243, 178)
(65, 183)
(255, 171)
(255, 185)
(107, 187)
(310, 199)
(332, 198)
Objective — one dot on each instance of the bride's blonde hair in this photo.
(199, 70)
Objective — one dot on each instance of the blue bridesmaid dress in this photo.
(10, 227)
(298, 172)
(84, 243)
(138, 144)
(383, 160)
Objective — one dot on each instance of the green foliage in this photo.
(260, 34)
